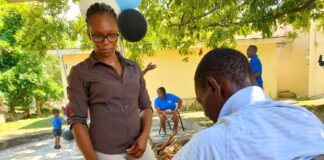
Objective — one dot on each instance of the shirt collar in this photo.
(255, 56)
(241, 99)
(93, 60)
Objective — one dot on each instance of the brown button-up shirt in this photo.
(114, 102)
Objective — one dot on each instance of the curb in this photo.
(6, 144)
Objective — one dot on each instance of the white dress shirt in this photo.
(251, 126)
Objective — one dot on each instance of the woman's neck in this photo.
(111, 59)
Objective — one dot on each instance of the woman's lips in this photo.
(107, 50)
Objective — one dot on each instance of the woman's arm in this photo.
(159, 110)
(78, 113)
(138, 148)
(179, 104)
(81, 135)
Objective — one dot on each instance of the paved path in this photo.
(43, 150)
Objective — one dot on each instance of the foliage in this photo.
(27, 31)
(181, 24)
(216, 23)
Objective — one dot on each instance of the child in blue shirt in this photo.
(57, 127)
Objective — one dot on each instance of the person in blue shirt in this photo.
(57, 127)
(256, 64)
(166, 105)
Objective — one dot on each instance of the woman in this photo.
(114, 91)
(165, 104)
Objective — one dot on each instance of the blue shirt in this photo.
(252, 126)
(257, 67)
(169, 102)
(57, 123)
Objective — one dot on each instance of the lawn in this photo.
(22, 127)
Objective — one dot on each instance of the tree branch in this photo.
(185, 22)
(310, 4)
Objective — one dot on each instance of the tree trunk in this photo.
(38, 108)
(11, 107)
(2, 112)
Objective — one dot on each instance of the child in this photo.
(57, 127)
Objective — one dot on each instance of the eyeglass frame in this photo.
(104, 37)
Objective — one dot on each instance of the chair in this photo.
(170, 120)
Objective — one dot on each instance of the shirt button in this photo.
(126, 107)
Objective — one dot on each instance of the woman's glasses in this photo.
(99, 38)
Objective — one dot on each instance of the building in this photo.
(288, 65)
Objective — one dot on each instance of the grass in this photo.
(22, 127)
(310, 102)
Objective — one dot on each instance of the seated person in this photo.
(165, 104)
(248, 124)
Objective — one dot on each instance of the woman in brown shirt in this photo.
(113, 89)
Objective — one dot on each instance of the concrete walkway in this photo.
(43, 150)
(190, 129)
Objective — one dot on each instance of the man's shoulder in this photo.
(207, 136)
(256, 58)
(208, 143)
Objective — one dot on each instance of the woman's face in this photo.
(160, 93)
(102, 25)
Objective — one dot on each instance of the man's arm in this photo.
(82, 137)
(256, 68)
(256, 74)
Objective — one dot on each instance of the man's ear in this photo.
(213, 84)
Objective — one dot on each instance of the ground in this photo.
(43, 150)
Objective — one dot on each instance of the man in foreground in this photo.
(249, 124)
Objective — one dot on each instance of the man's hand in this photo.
(138, 148)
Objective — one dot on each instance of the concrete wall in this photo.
(293, 65)
(172, 73)
(287, 65)
(316, 73)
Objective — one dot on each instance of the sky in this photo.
(74, 10)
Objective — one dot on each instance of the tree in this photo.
(27, 31)
(216, 23)
(180, 24)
